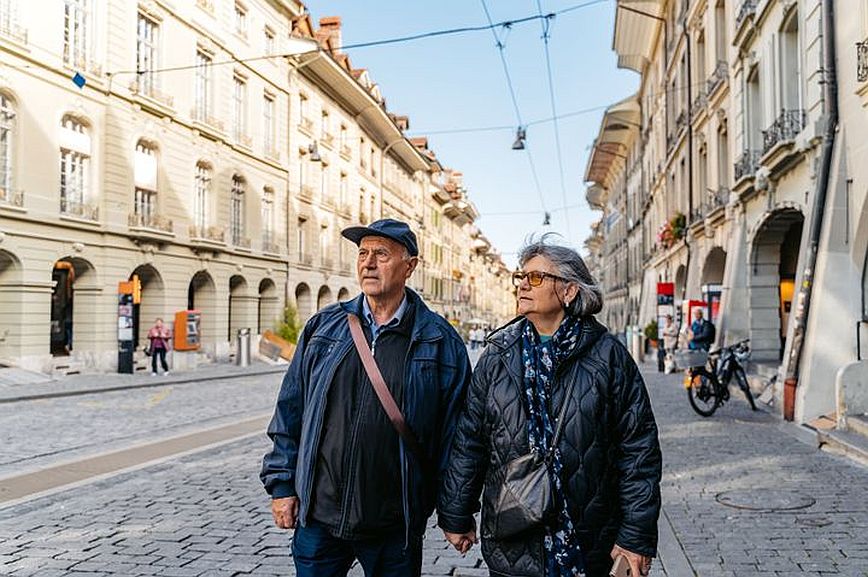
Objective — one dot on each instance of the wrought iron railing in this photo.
(747, 164)
(717, 78)
(862, 61)
(11, 197)
(747, 8)
(785, 127)
(210, 233)
(151, 221)
(81, 210)
(716, 199)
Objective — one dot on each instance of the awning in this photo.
(636, 33)
(619, 127)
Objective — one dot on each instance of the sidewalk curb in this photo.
(670, 551)
(142, 385)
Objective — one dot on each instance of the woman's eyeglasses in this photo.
(534, 277)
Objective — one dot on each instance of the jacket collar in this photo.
(424, 325)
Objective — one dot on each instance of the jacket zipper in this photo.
(319, 418)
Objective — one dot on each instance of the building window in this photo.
(203, 193)
(203, 88)
(236, 211)
(240, 20)
(7, 141)
(323, 243)
(324, 182)
(146, 54)
(343, 138)
(74, 165)
(324, 124)
(753, 116)
(268, 214)
(791, 68)
(299, 239)
(239, 108)
(76, 15)
(145, 173)
(268, 123)
(269, 41)
(343, 191)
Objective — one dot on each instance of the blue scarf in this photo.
(564, 557)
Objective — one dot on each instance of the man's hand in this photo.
(285, 512)
(461, 541)
(640, 565)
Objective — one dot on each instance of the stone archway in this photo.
(11, 306)
(202, 296)
(74, 306)
(269, 306)
(774, 259)
(323, 297)
(343, 294)
(152, 305)
(303, 302)
(714, 266)
(680, 283)
(242, 307)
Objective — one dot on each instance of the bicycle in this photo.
(707, 378)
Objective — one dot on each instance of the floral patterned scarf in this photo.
(564, 557)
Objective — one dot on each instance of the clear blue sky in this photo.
(457, 82)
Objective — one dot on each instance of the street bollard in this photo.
(242, 348)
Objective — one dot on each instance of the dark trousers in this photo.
(318, 554)
(158, 353)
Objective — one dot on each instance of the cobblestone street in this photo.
(744, 495)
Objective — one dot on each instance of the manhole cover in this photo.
(764, 499)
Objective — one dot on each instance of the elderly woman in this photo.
(555, 366)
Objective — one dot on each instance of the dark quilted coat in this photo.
(610, 452)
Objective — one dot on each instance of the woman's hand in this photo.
(639, 564)
(461, 541)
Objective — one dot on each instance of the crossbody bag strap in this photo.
(563, 413)
(383, 394)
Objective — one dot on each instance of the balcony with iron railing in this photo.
(11, 30)
(81, 210)
(149, 91)
(269, 243)
(716, 199)
(717, 79)
(305, 258)
(9, 197)
(746, 10)
(747, 164)
(207, 234)
(862, 61)
(306, 125)
(699, 104)
(784, 129)
(149, 222)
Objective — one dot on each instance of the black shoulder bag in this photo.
(525, 500)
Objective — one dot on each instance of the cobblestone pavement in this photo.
(725, 481)
(37, 433)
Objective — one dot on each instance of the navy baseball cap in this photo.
(387, 228)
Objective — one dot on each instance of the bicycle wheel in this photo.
(702, 393)
(741, 379)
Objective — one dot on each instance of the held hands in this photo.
(285, 512)
(640, 565)
(462, 541)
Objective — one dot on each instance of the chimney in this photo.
(332, 25)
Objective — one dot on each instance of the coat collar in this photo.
(424, 321)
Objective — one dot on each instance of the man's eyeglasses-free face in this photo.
(534, 277)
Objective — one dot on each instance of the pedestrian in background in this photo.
(555, 392)
(702, 332)
(159, 338)
(338, 471)
(670, 343)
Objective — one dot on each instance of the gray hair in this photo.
(570, 266)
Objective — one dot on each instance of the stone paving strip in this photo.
(21, 487)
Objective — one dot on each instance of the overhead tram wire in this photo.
(500, 48)
(545, 22)
(385, 41)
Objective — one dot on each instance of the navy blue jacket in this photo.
(436, 381)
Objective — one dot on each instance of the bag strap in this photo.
(386, 399)
(561, 415)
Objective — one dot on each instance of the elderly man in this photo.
(702, 332)
(339, 471)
